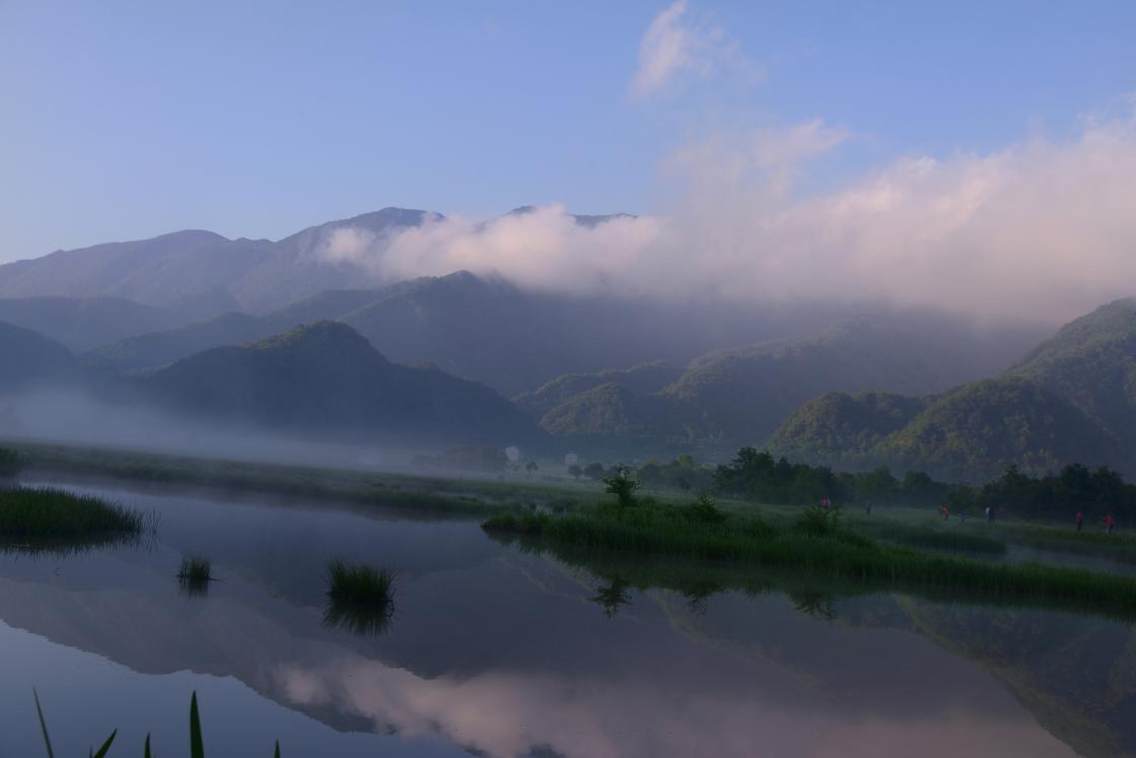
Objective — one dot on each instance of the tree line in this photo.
(758, 476)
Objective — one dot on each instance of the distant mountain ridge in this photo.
(196, 265)
(28, 359)
(486, 329)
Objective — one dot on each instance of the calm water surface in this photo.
(496, 651)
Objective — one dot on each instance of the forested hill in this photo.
(1073, 399)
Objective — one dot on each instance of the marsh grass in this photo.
(952, 538)
(195, 575)
(196, 739)
(817, 546)
(57, 522)
(360, 598)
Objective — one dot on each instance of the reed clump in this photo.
(195, 574)
(360, 598)
(51, 514)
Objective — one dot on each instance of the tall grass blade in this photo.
(102, 751)
(43, 725)
(196, 744)
(276, 754)
(146, 753)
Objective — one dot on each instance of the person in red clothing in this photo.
(1109, 524)
(1080, 519)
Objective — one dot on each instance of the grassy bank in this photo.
(816, 545)
(54, 515)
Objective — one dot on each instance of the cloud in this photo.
(509, 713)
(1042, 229)
(347, 244)
(676, 43)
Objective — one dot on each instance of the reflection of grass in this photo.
(816, 545)
(195, 575)
(360, 598)
(813, 602)
(58, 522)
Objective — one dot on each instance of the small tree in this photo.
(575, 471)
(622, 485)
(9, 463)
(531, 467)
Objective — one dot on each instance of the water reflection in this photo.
(501, 651)
(359, 618)
(813, 602)
(613, 595)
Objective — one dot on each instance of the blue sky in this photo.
(121, 120)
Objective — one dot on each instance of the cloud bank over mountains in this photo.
(1043, 229)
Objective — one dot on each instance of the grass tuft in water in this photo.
(195, 574)
(361, 598)
(48, 514)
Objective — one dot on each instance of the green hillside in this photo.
(1072, 399)
(842, 428)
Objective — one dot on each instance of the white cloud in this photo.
(347, 244)
(1042, 229)
(676, 43)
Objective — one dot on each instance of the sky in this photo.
(123, 120)
(126, 119)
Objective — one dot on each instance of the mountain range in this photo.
(234, 329)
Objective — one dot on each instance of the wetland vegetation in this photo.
(818, 544)
(47, 515)
(195, 575)
(360, 598)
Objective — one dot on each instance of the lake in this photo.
(496, 650)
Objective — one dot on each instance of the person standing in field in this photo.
(1080, 519)
(1109, 524)
(989, 514)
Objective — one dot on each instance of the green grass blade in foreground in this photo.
(196, 744)
(102, 751)
(146, 751)
(276, 754)
(43, 725)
